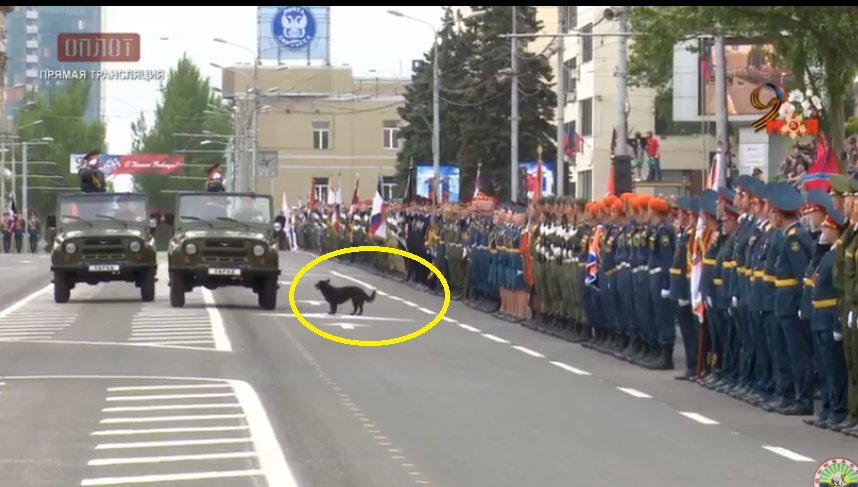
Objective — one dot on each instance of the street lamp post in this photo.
(25, 216)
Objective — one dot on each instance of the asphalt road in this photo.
(107, 390)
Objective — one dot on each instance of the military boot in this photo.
(663, 359)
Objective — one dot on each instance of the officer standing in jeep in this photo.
(91, 177)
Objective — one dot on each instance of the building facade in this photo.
(31, 35)
(325, 125)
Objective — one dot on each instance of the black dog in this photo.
(336, 296)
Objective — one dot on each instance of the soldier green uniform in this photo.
(846, 264)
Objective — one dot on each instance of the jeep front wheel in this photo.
(267, 293)
(177, 290)
(62, 292)
(147, 286)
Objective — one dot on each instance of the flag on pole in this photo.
(592, 277)
(700, 243)
(355, 200)
(477, 181)
(819, 174)
(378, 218)
(311, 200)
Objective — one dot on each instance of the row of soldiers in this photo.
(760, 281)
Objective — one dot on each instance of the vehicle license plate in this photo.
(224, 272)
(104, 268)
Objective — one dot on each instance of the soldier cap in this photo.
(835, 219)
(757, 189)
(709, 202)
(659, 205)
(840, 185)
(744, 182)
(581, 202)
(617, 206)
(94, 152)
(727, 194)
(609, 200)
(785, 198)
(643, 201)
(730, 212)
(694, 205)
(817, 200)
(683, 203)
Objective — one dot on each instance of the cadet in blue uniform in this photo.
(827, 329)
(680, 287)
(755, 259)
(790, 265)
(739, 287)
(728, 351)
(712, 241)
(660, 259)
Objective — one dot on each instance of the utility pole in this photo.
(436, 123)
(513, 143)
(254, 125)
(721, 103)
(25, 215)
(622, 82)
(561, 105)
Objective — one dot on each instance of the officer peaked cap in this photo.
(841, 185)
(757, 189)
(727, 194)
(694, 205)
(683, 203)
(731, 212)
(709, 202)
(94, 152)
(835, 219)
(817, 200)
(784, 197)
(744, 183)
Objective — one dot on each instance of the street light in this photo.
(436, 99)
(24, 182)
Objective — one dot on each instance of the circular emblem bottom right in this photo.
(836, 472)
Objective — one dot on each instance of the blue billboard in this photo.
(449, 182)
(549, 187)
(294, 33)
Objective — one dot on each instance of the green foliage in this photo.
(62, 113)
(188, 105)
(808, 39)
(475, 99)
(852, 126)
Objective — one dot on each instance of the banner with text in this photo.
(162, 164)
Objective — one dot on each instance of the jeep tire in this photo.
(267, 293)
(147, 286)
(177, 290)
(62, 291)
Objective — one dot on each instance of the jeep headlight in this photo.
(134, 246)
(258, 250)
(191, 249)
(71, 248)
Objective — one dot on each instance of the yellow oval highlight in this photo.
(368, 343)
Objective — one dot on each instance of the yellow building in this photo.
(325, 124)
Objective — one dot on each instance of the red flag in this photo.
(538, 193)
(609, 188)
(825, 166)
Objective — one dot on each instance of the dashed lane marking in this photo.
(495, 338)
(796, 457)
(170, 458)
(635, 393)
(699, 418)
(145, 479)
(469, 328)
(569, 368)
(528, 351)
(448, 319)
(427, 311)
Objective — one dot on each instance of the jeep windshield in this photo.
(107, 209)
(224, 209)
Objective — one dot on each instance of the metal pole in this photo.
(14, 175)
(24, 215)
(622, 84)
(721, 101)
(2, 161)
(561, 105)
(254, 125)
(513, 143)
(436, 123)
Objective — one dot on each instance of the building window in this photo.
(391, 134)
(321, 135)
(587, 44)
(388, 187)
(570, 81)
(570, 17)
(585, 184)
(586, 117)
(321, 189)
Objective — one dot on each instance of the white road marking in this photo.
(528, 351)
(381, 293)
(169, 334)
(115, 344)
(449, 320)
(154, 431)
(169, 458)
(427, 311)
(494, 338)
(409, 303)
(158, 397)
(285, 283)
(222, 342)
(698, 417)
(26, 261)
(311, 302)
(271, 458)
(24, 301)
(349, 278)
(469, 328)
(796, 457)
(569, 368)
(168, 407)
(188, 342)
(346, 326)
(158, 419)
(635, 393)
(396, 298)
(160, 444)
(141, 479)
(337, 316)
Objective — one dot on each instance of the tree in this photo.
(475, 98)
(62, 114)
(808, 40)
(190, 106)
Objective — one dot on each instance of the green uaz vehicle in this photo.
(223, 239)
(102, 237)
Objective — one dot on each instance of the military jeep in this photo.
(102, 237)
(223, 239)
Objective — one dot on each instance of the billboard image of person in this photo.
(449, 182)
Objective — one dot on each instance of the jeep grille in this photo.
(224, 251)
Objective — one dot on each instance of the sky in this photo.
(368, 39)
